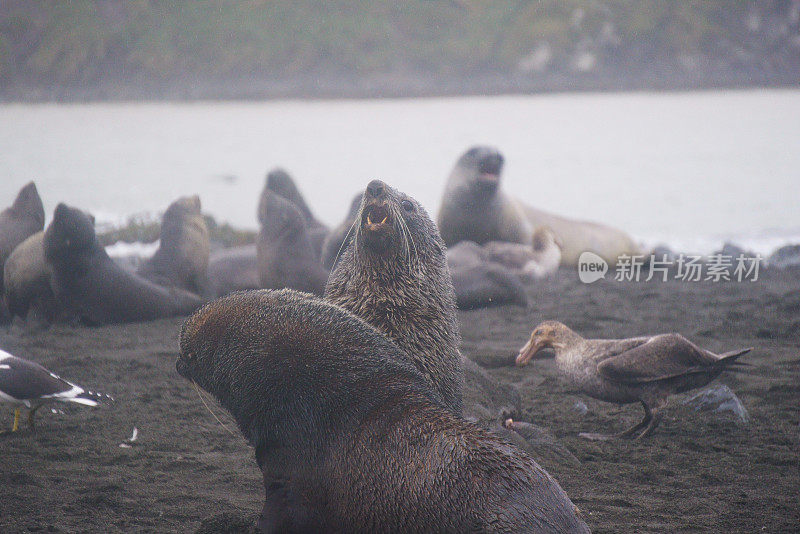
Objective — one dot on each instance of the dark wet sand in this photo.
(700, 471)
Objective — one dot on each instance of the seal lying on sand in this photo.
(182, 256)
(348, 433)
(280, 183)
(393, 274)
(487, 284)
(475, 208)
(85, 280)
(639, 369)
(21, 220)
(480, 282)
(539, 260)
(232, 269)
(285, 255)
(340, 236)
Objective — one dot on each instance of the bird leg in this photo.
(16, 420)
(31, 413)
(648, 420)
(655, 419)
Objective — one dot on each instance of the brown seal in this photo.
(182, 256)
(644, 369)
(27, 282)
(393, 274)
(18, 222)
(88, 283)
(349, 434)
(285, 254)
(475, 208)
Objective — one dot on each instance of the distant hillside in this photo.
(110, 49)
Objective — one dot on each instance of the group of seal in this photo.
(93, 286)
(475, 208)
(64, 274)
(286, 254)
(389, 337)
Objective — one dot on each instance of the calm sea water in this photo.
(687, 169)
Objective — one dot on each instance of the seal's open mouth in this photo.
(376, 217)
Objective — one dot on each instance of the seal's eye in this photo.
(407, 205)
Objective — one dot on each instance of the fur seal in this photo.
(644, 369)
(285, 254)
(487, 284)
(232, 269)
(280, 182)
(27, 281)
(475, 208)
(479, 281)
(393, 274)
(182, 256)
(21, 220)
(340, 236)
(85, 280)
(534, 262)
(349, 434)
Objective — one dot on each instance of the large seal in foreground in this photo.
(182, 256)
(393, 274)
(348, 433)
(85, 280)
(475, 208)
(285, 254)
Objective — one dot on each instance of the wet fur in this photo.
(406, 292)
(348, 433)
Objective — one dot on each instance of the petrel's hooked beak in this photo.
(531, 351)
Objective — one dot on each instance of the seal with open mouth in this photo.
(394, 275)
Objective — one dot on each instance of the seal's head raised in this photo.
(71, 232)
(393, 225)
(482, 166)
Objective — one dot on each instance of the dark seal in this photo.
(393, 274)
(340, 236)
(89, 284)
(349, 434)
(280, 182)
(182, 256)
(285, 254)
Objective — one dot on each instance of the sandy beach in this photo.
(702, 471)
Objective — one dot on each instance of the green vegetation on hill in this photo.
(114, 48)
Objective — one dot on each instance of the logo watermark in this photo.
(591, 267)
(684, 267)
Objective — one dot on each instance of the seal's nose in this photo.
(376, 189)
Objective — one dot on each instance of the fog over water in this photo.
(687, 169)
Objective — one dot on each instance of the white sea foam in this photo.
(138, 250)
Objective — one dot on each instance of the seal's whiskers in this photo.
(197, 389)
